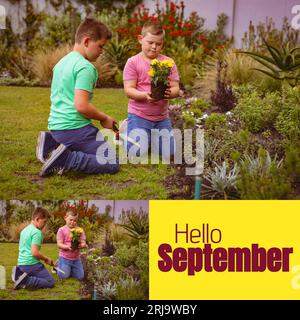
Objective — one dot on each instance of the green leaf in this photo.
(277, 56)
(252, 54)
(269, 74)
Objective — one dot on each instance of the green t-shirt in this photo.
(72, 72)
(29, 236)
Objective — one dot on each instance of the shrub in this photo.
(262, 177)
(108, 247)
(258, 113)
(223, 96)
(129, 289)
(43, 62)
(15, 229)
(126, 255)
(199, 104)
(288, 120)
(189, 61)
(292, 161)
(53, 224)
(214, 121)
(106, 70)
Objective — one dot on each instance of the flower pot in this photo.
(158, 90)
(74, 245)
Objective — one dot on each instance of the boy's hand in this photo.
(108, 122)
(149, 98)
(49, 261)
(168, 93)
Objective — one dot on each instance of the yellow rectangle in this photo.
(254, 226)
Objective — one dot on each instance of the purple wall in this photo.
(118, 205)
(240, 12)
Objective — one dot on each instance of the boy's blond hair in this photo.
(93, 29)
(153, 27)
(40, 213)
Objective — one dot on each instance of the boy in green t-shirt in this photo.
(30, 272)
(74, 142)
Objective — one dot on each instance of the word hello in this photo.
(204, 235)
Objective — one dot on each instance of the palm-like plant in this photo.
(282, 64)
(137, 226)
(118, 51)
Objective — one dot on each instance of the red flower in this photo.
(187, 25)
(133, 20)
(175, 33)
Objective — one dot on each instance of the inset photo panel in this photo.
(74, 250)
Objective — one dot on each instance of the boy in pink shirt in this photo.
(69, 262)
(144, 113)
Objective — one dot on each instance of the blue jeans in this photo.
(38, 276)
(84, 143)
(71, 268)
(163, 142)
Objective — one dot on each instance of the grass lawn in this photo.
(63, 290)
(24, 112)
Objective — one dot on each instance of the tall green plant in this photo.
(282, 64)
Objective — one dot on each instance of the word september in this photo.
(254, 259)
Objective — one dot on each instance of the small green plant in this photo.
(75, 238)
(222, 181)
(160, 70)
(108, 290)
(189, 119)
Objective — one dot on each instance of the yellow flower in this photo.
(167, 63)
(79, 230)
(154, 62)
(151, 72)
(72, 230)
(71, 235)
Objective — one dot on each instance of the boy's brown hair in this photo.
(94, 29)
(72, 213)
(153, 27)
(40, 213)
